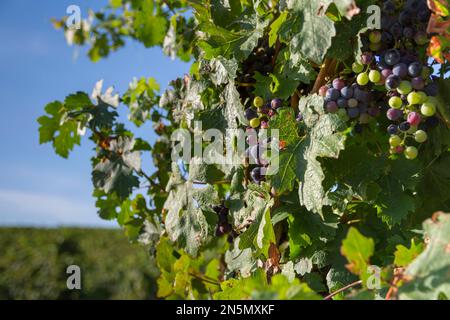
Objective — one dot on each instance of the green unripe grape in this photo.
(414, 98)
(420, 136)
(395, 102)
(432, 100)
(255, 123)
(411, 153)
(423, 97)
(375, 37)
(362, 79)
(395, 141)
(392, 150)
(374, 76)
(357, 67)
(405, 87)
(258, 102)
(375, 46)
(428, 109)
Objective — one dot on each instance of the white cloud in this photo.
(34, 208)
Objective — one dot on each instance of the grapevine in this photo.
(342, 187)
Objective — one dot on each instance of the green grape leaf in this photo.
(189, 219)
(299, 161)
(241, 261)
(404, 256)
(115, 172)
(222, 71)
(358, 250)
(429, 274)
(313, 31)
(275, 27)
(140, 98)
(224, 12)
(150, 29)
(393, 204)
(56, 127)
(308, 229)
(227, 43)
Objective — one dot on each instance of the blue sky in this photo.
(36, 67)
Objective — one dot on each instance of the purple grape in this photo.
(323, 91)
(404, 126)
(389, 7)
(386, 73)
(338, 84)
(362, 107)
(361, 95)
(414, 118)
(250, 114)
(394, 114)
(256, 175)
(373, 111)
(331, 106)
(405, 18)
(424, 15)
(353, 113)
(415, 69)
(418, 83)
(392, 82)
(386, 37)
(276, 103)
(333, 94)
(342, 103)
(396, 30)
(347, 92)
(265, 109)
(432, 89)
(392, 129)
(400, 70)
(408, 32)
(366, 58)
(392, 57)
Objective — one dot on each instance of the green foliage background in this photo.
(33, 264)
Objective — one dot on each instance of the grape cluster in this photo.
(391, 77)
(350, 101)
(260, 60)
(412, 104)
(223, 226)
(259, 116)
(403, 24)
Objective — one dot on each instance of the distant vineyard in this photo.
(33, 265)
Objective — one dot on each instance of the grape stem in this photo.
(245, 84)
(277, 51)
(327, 67)
(204, 278)
(328, 297)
